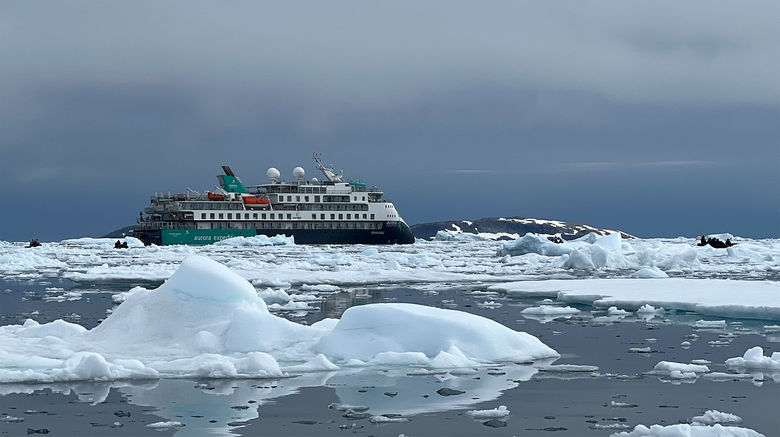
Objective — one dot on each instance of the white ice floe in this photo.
(493, 413)
(549, 310)
(754, 359)
(730, 298)
(166, 424)
(717, 324)
(533, 243)
(711, 417)
(367, 330)
(206, 321)
(649, 273)
(685, 430)
(649, 309)
(679, 370)
(387, 419)
(615, 311)
(452, 261)
(102, 243)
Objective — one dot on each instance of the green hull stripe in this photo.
(202, 236)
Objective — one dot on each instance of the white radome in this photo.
(273, 173)
(298, 173)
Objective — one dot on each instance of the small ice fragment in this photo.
(168, 424)
(493, 413)
(710, 324)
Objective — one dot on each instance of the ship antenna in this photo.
(327, 171)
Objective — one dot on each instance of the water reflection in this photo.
(220, 407)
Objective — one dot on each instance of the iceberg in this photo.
(368, 330)
(754, 359)
(207, 321)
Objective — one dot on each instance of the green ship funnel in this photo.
(230, 182)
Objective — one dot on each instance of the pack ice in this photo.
(207, 321)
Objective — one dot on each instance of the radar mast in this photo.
(327, 171)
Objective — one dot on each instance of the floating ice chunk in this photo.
(367, 330)
(388, 419)
(711, 417)
(548, 310)
(167, 424)
(318, 364)
(494, 413)
(679, 369)
(271, 296)
(533, 243)
(649, 273)
(720, 324)
(327, 288)
(754, 359)
(649, 309)
(446, 235)
(490, 304)
(685, 430)
(290, 306)
(615, 311)
(579, 259)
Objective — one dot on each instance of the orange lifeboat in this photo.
(249, 200)
(215, 196)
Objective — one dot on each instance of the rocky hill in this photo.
(511, 227)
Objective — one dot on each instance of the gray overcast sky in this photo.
(660, 118)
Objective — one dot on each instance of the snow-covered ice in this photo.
(493, 413)
(754, 359)
(717, 297)
(685, 430)
(207, 321)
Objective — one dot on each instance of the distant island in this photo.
(503, 228)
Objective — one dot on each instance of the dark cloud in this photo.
(609, 113)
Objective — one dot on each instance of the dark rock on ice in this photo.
(449, 392)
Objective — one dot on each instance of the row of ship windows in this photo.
(280, 216)
(310, 206)
(324, 198)
(296, 225)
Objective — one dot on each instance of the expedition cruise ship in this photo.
(313, 212)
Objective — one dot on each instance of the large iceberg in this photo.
(366, 331)
(206, 321)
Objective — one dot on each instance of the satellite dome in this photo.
(298, 173)
(315, 180)
(273, 173)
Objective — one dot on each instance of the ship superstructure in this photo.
(330, 211)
